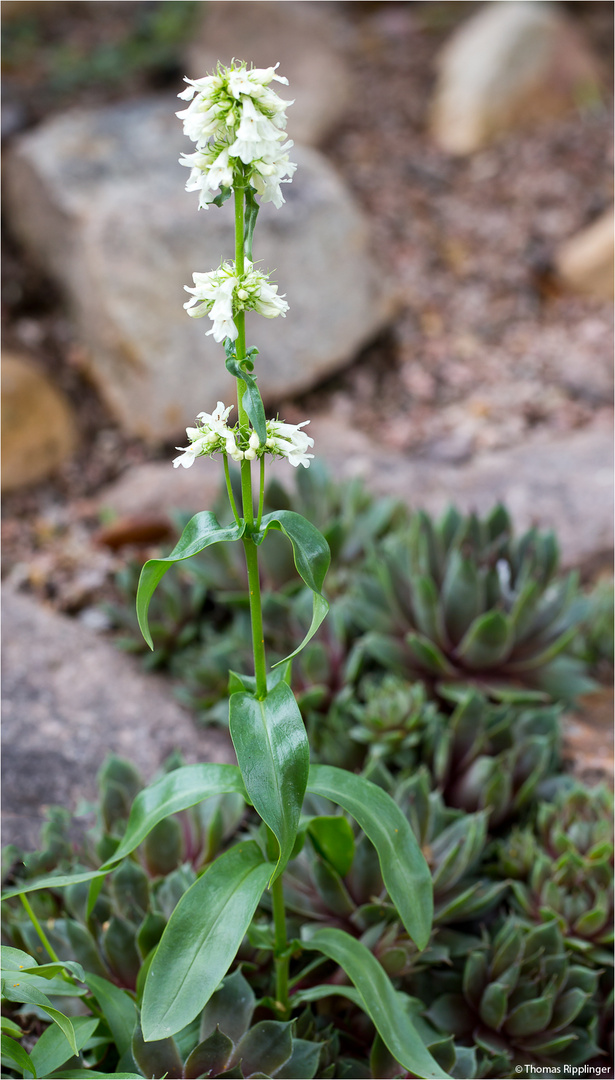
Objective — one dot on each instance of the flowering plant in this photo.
(237, 122)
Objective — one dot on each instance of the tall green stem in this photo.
(39, 930)
(256, 614)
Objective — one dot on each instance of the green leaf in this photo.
(52, 1049)
(201, 940)
(303, 1062)
(52, 881)
(405, 872)
(461, 595)
(178, 790)
(429, 655)
(225, 193)
(211, 1056)
(238, 682)
(333, 838)
(156, 1058)
(14, 1055)
(230, 1008)
(201, 531)
(252, 401)
(118, 1009)
(488, 641)
(274, 757)
(18, 989)
(312, 557)
(379, 1000)
(266, 1047)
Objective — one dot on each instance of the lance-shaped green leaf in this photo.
(178, 790)
(51, 1050)
(14, 1055)
(20, 989)
(201, 940)
(274, 757)
(312, 557)
(118, 1009)
(404, 870)
(251, 400)
(379, 1000)
(201, 531)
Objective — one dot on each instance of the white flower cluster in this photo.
(237, 122)
(213, 435)
(222, 293)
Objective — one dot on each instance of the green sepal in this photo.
(274, 757)
(201, 531)
(312, 557)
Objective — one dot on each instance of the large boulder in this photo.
(38, 426)
(513, 62)
(98, 199)
(306, 39)
(78, 702)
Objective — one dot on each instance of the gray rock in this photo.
(98, 199)
(513, 62)
(565, 484)
(307, 39)
(69, 699)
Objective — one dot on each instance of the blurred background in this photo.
(446, 250)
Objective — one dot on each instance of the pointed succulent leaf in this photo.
(530, 1017)
(487, 642)
(161, 1056)
(202, 938)
(494, 1005)
(567, 1007)
(461, 596)
(404, 869)
(210, 1056)
(201, 531)
(273, 754)
(428, 656)
(302, 1063)
(380, 1000)
(265, 1047)
(475, 977)
(425, 606)
(230, 1008)
(450, 1012)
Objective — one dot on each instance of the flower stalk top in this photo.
(238, 124)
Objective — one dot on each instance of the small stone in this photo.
(306, 39)
(38, 426)
(512, 63)
(585, 261)
(123, 243)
